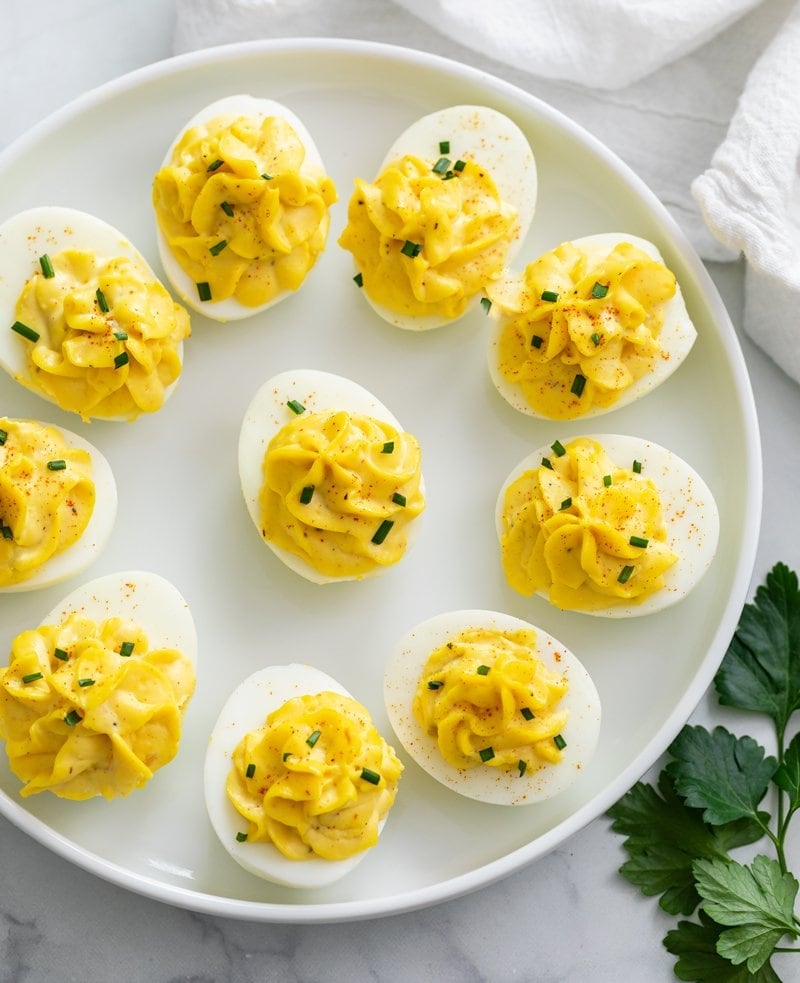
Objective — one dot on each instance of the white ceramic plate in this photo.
(181, 512)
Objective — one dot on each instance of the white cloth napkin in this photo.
(672, 86)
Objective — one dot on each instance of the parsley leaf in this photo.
(758, 900)
(696, 948)
(761, 669)
(664, 837)
(787, 776)
(724, 775)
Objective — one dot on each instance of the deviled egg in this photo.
(84, 321)
(58, 504)
(607, 524)
(92, 700)
(492, 707)
(242, 205)
(588, 327)
(451, 205)
(298, 782)
(331, 481)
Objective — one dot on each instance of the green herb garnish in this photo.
(679, 836)
(306, 494)
(59, 465)
(444, 146)
(241, 837)
(370, 776)
(120, 360)
(522, 766)
(607, 480)
(486, 754)
(625, 574)
(435, 684)
(550, 296)
(313, 737)
(32, 677)
(486, 304)
(483, 670)
(3, 437)
(399, 499)
(559, 742)
(527, 713)
(599, 290)
(636, 467)
(61, 654)
(441, 165)
(83, 683)
(250, 770)
(214, 165)
(358, 280)
(102, 302)
(537, 341)
(296, 407)
(217, 248)
(204, 291)
(382, 531)
(227, 208)
(558, 448)
(25, 331)
(72, 718)
(388, 447)
(411, 249)
(47, 266)
(566, 504)
(126, 649)
(578, 384)
(638, 541)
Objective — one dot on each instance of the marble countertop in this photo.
(567, 917)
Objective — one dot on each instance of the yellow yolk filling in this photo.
(425, 244)
(316, 779)
(80, 718)
(43, 510)
(237, 212)
(98, 362)
(487, 698)
(340, 491)
(599, 336)
(585, 530)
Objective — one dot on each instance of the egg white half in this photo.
(268, 413)
(677, 335)
(487, 784)
(690, 515)
(27, 236)
(146, 598)
(245, 710)
(234, 106)
(85, 551)
(483, 135)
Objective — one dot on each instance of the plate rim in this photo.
(486, 874)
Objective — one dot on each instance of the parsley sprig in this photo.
(709, 801)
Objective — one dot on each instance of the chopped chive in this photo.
(126, 649)
(3, 437)
(399, 499)
(444, 146)
(358, 280)
(599, 290)
(61, 654)
(204, 291)
(388, 447)
(6, 531)
(101, 301)
(217, 248)
(527, 713)
(523, 767)
(411, 249)
(607, 480)
(486, 753)
(121, 335)
(83, 683)
(59, 465)
(306, 494)
(441, 165)
(483, 670)
(637, 467)
(227, 208)
(32, 677)
(546, 463)
(638, 541)
(577, 385)
(251, 770)
(625, 574)
(559, 742)
(214, 165)
(435, 684)
(267, 177)
(286, 754)
(448, 175)
(72, 718)
(537, 341)
(241, 837)
(558, 448)
(312, 738)
(47, 266)
(296, 407)
(566, 504)
(382, 531)
(370, 776)
(486, 304)
(595, 338)
(120, 360)
(25, 331)
(549, 295)
(459, 165)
